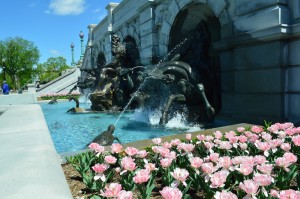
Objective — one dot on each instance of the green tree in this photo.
(17, 58)
(51, 69)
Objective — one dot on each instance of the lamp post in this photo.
(3, 68)
(72, 50)
(4, 76)
(81, 35)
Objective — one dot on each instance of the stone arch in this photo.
(101, 61)
(221, 9)
(192, 31)
(132, 51)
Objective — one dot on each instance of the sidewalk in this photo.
(30, 167)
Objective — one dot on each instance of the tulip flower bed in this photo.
(251, 162)
(65, 95)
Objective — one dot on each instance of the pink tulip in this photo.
(156, 149)
(188, 136)
(209, 138)
(252, 137)
(243, 138)
(141, 176)
(214, 157)
(208, 145)
(285, 146)
(291, 132)
(265, 168)
(289, 194)
(218, 134)
(186, 147)
(259, 159)
(230, 134)
(263, 179)
(275, 143)
(208, 168)
(296, 140)
(166, 162)
(256, 129)
(225, 195)
(125, 195)
(282, 162)
(150, 167)
(274, 193)
(266, 136)
(167, 145)
(196, 162)
(233, 139)
(225, 145)
(243, 146)
(264, 146)
(131, 151)
(218, 179)
(112, 190)
(128, 164)
(245, 169)
(96, 147)
(175, 142)
(180, 174)
(237, 160)
(100, 168)
(142, 154)
(224, 162)
(156, 141)
(290, 157)
(171, 193)
(118, 170)
(110, 159)
(164, 151)
(201, 137)
(249, 186)
(281, 134)
(116, 148)
(172, 155)
(240, 129)
(248, 160)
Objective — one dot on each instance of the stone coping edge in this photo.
(145, 143)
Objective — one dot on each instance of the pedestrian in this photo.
(5, 88)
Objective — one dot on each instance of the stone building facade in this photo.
(254, 46)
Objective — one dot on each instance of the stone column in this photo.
(148, 33)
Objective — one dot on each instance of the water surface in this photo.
(72, 132)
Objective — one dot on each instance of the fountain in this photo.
(175, 85)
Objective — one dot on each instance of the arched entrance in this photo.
(132, 57)
(192, 34)
(101, 61)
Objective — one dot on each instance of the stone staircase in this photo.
(62, 84)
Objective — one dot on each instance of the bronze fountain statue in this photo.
(182, 80)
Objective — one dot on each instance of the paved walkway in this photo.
(29, 167)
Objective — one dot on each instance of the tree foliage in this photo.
(17, 58)
(51, 69)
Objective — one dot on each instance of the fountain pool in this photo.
(72, 132)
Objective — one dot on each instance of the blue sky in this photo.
(51, 24)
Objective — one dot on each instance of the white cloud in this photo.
(66, 7)
(54, 53)
(96, 11)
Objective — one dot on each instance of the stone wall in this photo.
(258, 49)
